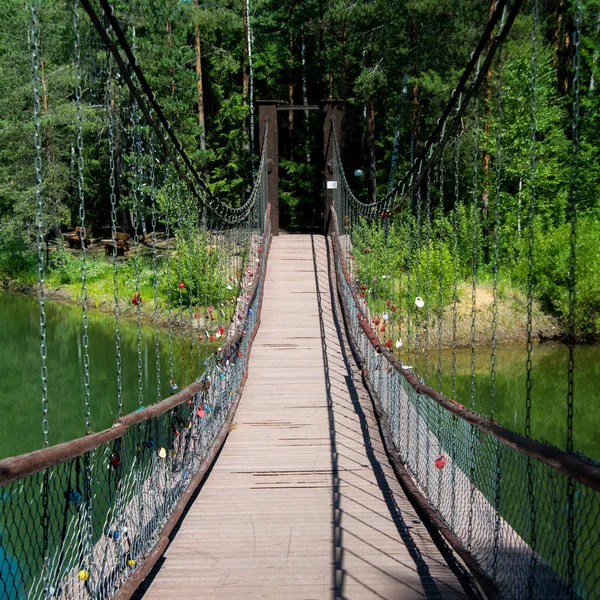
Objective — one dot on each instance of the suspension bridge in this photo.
(305, 449)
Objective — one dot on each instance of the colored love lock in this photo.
(419, 302)
(181, 285)
(200, 412)
(398, 343)
(439, 462)
(74, 497)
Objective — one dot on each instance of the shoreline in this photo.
(511, 325)
(127, 311)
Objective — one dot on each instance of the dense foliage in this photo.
(394, 64)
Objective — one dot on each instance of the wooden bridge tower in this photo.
(267, 112)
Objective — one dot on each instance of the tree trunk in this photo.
(305, 98)
(559, 33)
(487, 124)
(344, 72)
(200, 90)
(321, 46)
(414, 102)
(370, 142)
(370, 139)
(124, 223)
(44, 89)
(291, 90)
(246, 72)
(169, 44)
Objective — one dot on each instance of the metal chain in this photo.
(417, 277)
(83, 238)
(441, 274)
(155, 268)
(572, 293)
(532, 195)
(427, 270)
(455, 256)
(82, 230)
(474, 247)
(497, 209)
(39, 220)
(573, 219)
(35, 61)
(474, 264)
(410, 303)
(113, 228)
(168, 270)
(136, 199)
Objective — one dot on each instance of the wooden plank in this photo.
(302, 502)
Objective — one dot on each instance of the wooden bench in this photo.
(74, 240)
(122, 243)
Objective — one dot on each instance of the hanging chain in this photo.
(497, 210)
(83, 238)
(37, 140)
(455, 254)
(113, 228)
(572, 293)
(573, 220)
(474, 243)
(154, 268)
(136, 198)
(82, 230)
(441, 274)
(35, 61)
(474, 248)
(417, 277)
(410, 304)
(532, 194)
(427, 270)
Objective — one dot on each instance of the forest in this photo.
(393, 64)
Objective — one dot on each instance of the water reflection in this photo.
(549, 389)
(20, 386)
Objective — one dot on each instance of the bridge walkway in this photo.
(302, 502)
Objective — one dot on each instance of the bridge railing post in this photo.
(267, 111)
(333, 109)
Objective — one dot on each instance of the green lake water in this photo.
(20, 384)
(548, 393)
(20, 387)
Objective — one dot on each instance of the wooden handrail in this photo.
(568, 464)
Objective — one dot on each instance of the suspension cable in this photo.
(443, 130)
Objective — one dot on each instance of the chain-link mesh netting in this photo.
(521, 509)
(78, 519)
(81, 528)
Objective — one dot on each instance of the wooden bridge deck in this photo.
(302, 502)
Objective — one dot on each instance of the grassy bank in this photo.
(204, 279)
